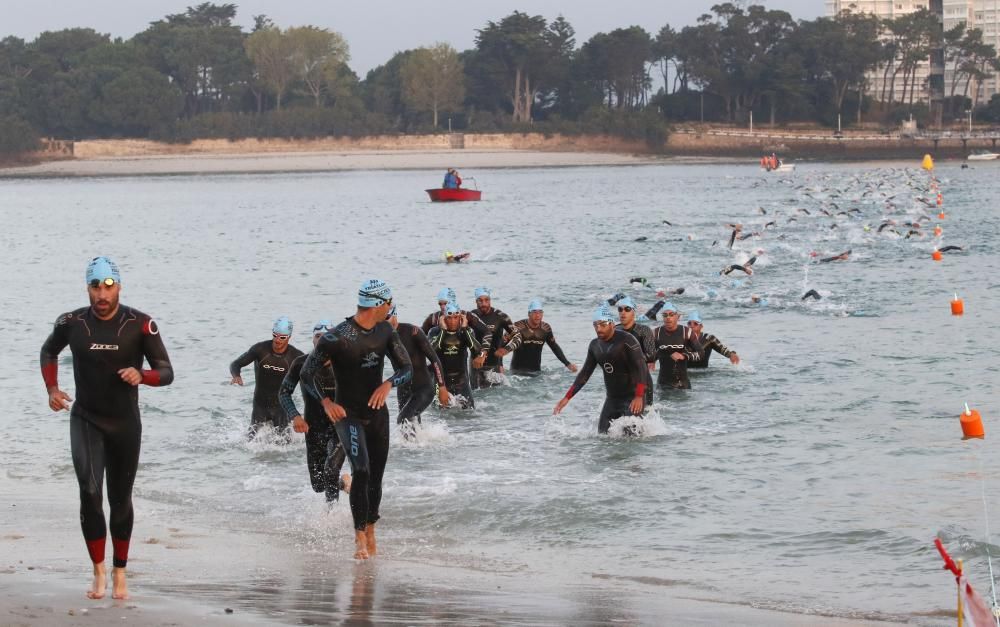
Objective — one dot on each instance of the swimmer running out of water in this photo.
(356, 349)
(271, 360)
(109, 342)
(621, 358)
(324, 453)
(453, 343)
(415, 396)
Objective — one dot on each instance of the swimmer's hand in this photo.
(444, 397)
(377, 399)
(559, 406)
(734, 359)
(130, 376)
(652, 366)
(677, 356)
(237, 380)
(572, 367)
(500, 352)
(333, 411)
(636, 405)
(299, 425)
(478, 362)
(59, 400)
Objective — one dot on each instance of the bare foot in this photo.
(345, 482)
(100, 583)
(370, 537)
(361, 543)
(119, 588)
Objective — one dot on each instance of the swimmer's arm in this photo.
(515, 334)
(160, 371)
(694, 350)
(589, 365)
(556, 349)
(649, 349)
(312, 365)
(425, 347)
(243, 360)
(655, 309)
(287, 387)
(475, 347)
(404, 369)
(481, 329)
(49, 358)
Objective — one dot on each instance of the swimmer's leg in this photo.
(352, 436)
(87, 444)
(123, 461)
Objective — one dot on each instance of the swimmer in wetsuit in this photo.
(642, 333)
(435, 319)
(841, 257)
(415, 396)
(676, 347)
(453, 343)
(356, 349)
(450, 257)
(708, 344)
(745, 268)
(491, 327)
(812, 294)
(271, 361)
(620, 357)
(108, 341)
(324, 454)
(535, 333)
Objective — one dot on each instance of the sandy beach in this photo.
(262, 163)
(182, 574)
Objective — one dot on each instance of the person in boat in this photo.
(624, 365)
(535, 333)
(708, 343)
(451, 179)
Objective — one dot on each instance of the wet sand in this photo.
(182, 573)
(261, 163)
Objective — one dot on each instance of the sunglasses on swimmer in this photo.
(280, 336)
(96, 283)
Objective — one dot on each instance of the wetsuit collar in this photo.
(114, 314)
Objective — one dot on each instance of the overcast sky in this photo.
(375, 29)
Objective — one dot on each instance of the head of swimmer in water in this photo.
(670, 318)
(104, 285)
(695, 326)
(626, 312)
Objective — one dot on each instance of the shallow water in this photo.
(813, 477)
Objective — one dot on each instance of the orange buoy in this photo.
(957, 306)
(939, 200)
(972, 424)
(937, 231)
(941, 216)
(936, 255)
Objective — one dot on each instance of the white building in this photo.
(888, 9)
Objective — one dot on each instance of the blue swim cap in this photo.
(101, 268)
(483, 291)
(445, 294)
(452, 308)
(322, 326)
(373, 293)
(626, 302)
(282, 326)
(711, 293)
(694, 316)
(535, 305)
(668, 306)
(604, 313)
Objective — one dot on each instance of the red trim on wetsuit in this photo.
(640, 390)
(96, 549)
(120, 552)
(571, 392)
(151, 377)
(50, 374)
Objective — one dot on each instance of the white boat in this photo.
(983, 155)
(784, 167)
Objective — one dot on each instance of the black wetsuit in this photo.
(105, 429)
(269, 369)
(708, 344)
(527, 358)
(624, 367)
(453, 348)
(490, 328)
(324, 455)
(415, 396)
(673, 374)
(644, 335)
(357, 356)
(432, 320)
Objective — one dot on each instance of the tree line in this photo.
(197, 74)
